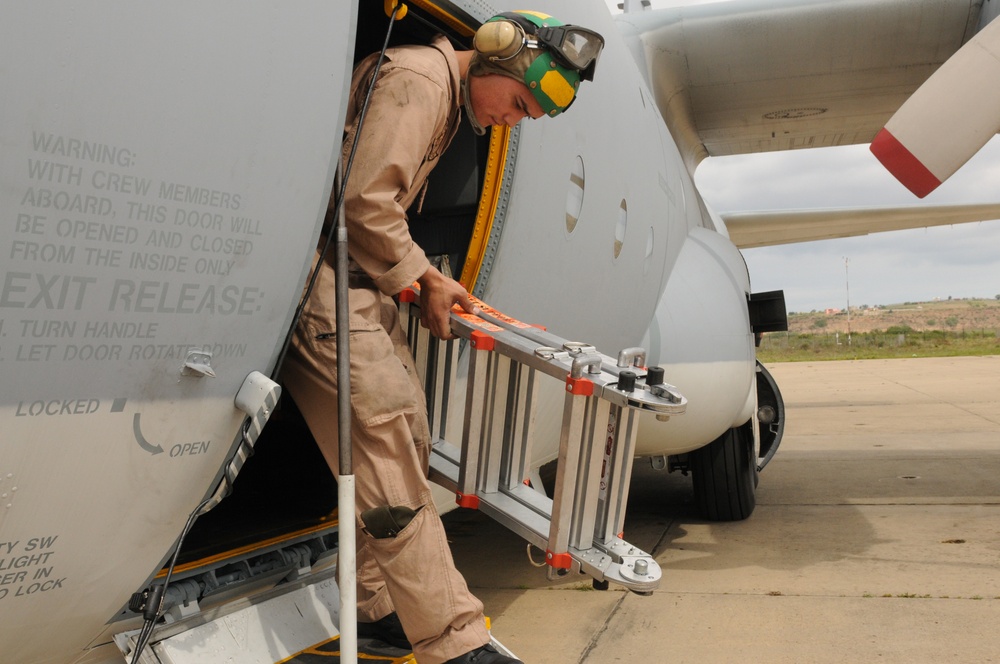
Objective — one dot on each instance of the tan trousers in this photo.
(412, 573)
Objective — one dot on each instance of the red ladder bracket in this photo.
(558, 560)
(466, 500)
(482, 341)
(408, 295)
(580, 386)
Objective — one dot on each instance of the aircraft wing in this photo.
(762, 75)
(750, 76)
(759, 229)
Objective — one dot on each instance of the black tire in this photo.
(724, 475)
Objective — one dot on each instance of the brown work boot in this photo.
(388, 630)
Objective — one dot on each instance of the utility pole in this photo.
(847, 277)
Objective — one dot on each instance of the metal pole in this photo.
(346, 536)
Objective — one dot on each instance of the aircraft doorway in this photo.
(285, 494)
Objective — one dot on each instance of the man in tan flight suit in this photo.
(409, 591)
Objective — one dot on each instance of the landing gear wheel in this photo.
(724, 474)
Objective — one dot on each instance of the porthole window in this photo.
(574, 196)
(648, 258)
(620, 228)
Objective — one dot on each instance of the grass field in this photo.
(790, 347)
(911, 329)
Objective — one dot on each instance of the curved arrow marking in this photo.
(143, 443)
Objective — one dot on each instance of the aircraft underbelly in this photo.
(164, 174)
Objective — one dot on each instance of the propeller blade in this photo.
(948, 119)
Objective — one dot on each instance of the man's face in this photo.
(500, 100)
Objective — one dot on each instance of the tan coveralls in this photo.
(412, 118)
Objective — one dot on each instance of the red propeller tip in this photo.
(904, 166)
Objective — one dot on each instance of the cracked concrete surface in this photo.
(876, 538)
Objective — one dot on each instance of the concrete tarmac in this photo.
(876, 538)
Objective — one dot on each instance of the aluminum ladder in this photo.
(580, 527)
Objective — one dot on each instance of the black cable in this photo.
(154, 599)
(156, 593)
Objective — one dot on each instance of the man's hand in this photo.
(437, 295)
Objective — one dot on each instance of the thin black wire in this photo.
(147, 627)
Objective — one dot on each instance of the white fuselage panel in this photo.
(164, 171)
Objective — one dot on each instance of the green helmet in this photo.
(548, 56)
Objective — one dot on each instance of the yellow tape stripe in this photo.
(489, 198)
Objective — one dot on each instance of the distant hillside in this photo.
(911, 329)
(948, 315)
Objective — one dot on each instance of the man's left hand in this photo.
(438, 294)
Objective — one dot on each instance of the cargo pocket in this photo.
(381, 388)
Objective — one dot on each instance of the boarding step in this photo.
(295, 623)
(503, 361)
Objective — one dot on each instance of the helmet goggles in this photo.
(572, 46)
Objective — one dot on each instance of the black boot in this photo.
(387, 630)
(485, 655)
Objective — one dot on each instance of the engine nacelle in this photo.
(701, 336)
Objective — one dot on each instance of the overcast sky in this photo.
(884, 268)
